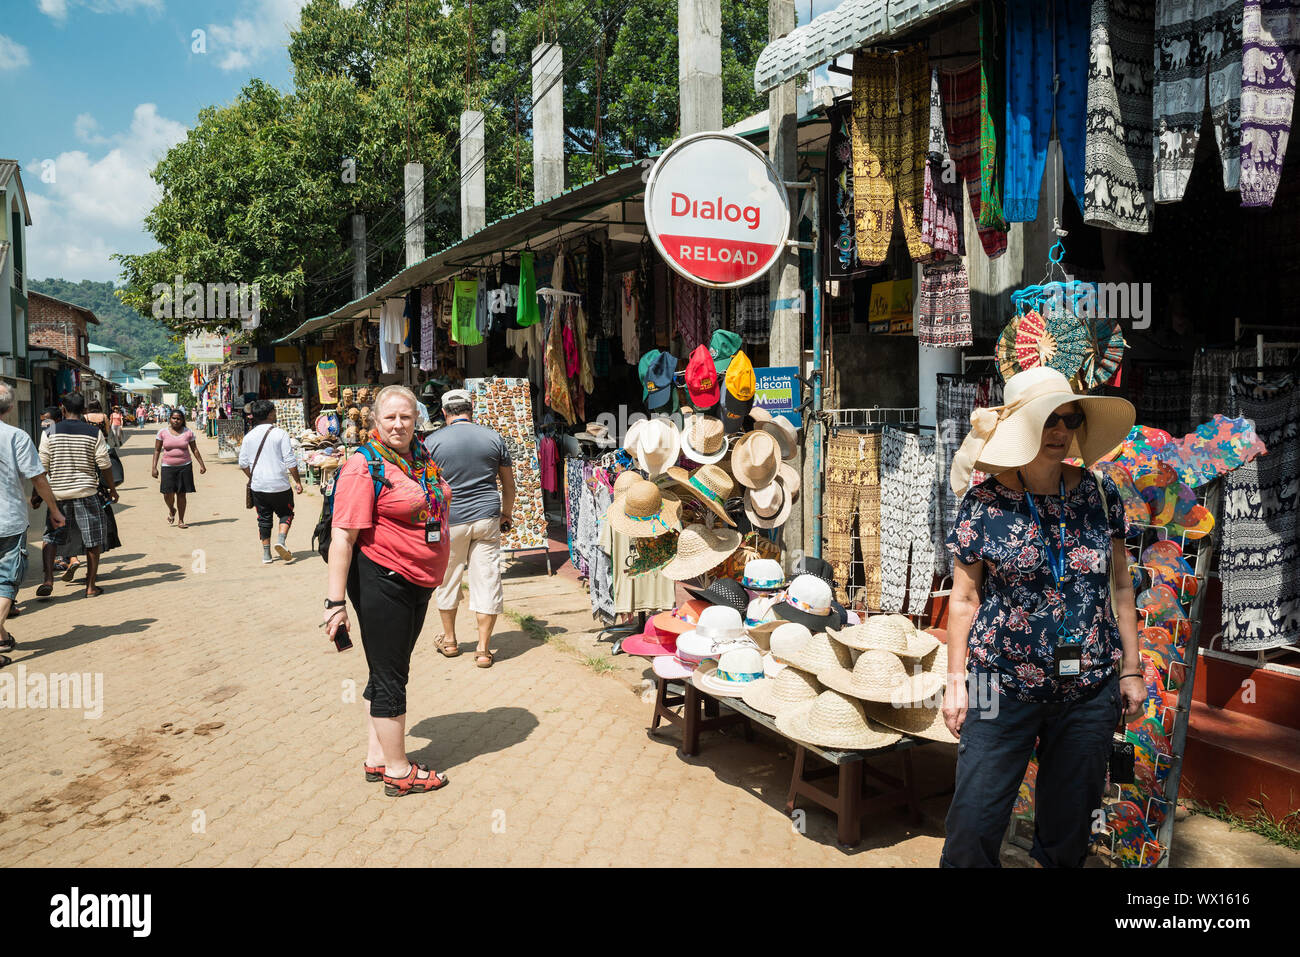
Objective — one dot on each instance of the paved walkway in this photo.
(232, 734)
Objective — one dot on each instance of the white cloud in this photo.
(96, 205)
(87, 129)
(58, 9)
(263, 26)
(13, 55)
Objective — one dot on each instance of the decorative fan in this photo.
(1071, 338)
(1104, 353)
(1058, 342)
(1006, 350)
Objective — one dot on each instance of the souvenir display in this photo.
(230, 436)
(289, 415)
(505, 405)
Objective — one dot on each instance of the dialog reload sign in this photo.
(716, 209)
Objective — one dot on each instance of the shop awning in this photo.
(853, 24)
(503, 234)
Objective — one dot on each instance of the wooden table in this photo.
(850, 801)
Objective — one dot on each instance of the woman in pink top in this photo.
(175, 444)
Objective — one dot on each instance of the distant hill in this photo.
(120, 327)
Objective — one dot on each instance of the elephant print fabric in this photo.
(1270, 58)
(1118, 164)
(1196, 39)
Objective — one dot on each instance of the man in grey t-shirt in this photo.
(473, 460)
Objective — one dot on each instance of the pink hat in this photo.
(651, 643)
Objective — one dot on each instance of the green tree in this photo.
(176, 373)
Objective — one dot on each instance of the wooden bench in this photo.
(850, 801)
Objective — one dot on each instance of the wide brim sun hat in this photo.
(709, 485)
(892, 633)
(651, 643)
(731, 674)
(835, 720)
(780, 428)
(700, 550)
(644, 511)
(723, 591)
(819, 654)
(881, 676)
(776, 694)
(701, 429)
(770, 506)
(1010, 436)
(936, 662)
(677, 621)
(672, 668)
(755, 458)
(913, 721)
(655, 444)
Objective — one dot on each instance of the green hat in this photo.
(724, 345)
(643, 371)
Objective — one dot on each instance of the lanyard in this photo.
(1055, 560)
(419, 473)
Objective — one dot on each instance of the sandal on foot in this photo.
(374, 773)
(181, 525)
(94, 592)
(171, 518)
(14, 612)
(446, 647)
(412, 783)
(43, 590)
(9, 644)
(71, 572)
(479, 655)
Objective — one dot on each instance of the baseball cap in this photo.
(738, 394)
(456, 395)
(723, 346)
(657, 370)
(702, 383)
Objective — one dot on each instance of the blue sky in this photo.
(95, 91)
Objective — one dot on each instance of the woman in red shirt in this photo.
(388, 554)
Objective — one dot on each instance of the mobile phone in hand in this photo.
(341, 640)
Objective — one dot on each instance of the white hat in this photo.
(769, 506)
(1011, 435)
(735, 669)
(719, 627)
(894, 633)
(455, 395)
(807, 600)
(761, 620)
(881, 676)
(785, 642)
(763, 574)
(816, 655)
(655, 444)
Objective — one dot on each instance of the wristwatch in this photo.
(506, 525)
(335, 604)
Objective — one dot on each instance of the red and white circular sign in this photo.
(716, 210)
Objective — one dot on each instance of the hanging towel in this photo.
(526, 312)
(465, 298)
(390, 333)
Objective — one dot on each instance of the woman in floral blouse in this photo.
(1050, 661)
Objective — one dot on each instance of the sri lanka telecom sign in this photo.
(716, 210)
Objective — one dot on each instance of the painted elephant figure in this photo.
(1101, 61)
(1099, 187)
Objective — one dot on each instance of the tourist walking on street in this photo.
(176, 445)
(50, 415)
(1043, 608)
(115, 420)
(474, 460)
(96, 417)
(388, 552)
(267, 458)
(19, 462)
(75, 458)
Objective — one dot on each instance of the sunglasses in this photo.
(1072, 420)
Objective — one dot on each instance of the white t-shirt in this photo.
(271, 473)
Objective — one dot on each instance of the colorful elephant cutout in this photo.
(1134, 844)
(1213, 449)
(1136, 510)
(1165, 563)
(1158, 485)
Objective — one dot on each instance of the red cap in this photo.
(702, 380)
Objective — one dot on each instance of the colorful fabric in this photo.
(853, 492)
(907, 513)
(839, 236)
(1017, 625)
(889, 130)
(428, 355)
(1259, 557)
(1118, 172)
(690, 312)
(962, 106)
(1196, 39)
(942, 216)
(1270, 60)
(753, 318)
(993, 101)
(1043, 40)
(943, 305)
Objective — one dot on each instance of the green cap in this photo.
(643, 371)
(724, 345)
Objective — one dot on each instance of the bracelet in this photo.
(1133, 674)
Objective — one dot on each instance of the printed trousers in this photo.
(1270, 59)
(890, 133)
(853, 492)
(907, 503)
(1196, 39)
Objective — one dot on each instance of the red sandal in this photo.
(412, 783)
(374, 773)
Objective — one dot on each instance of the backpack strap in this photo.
(376, 466)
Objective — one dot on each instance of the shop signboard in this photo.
(716, 210)
(776, 389)
(891, 307)
(205, 347)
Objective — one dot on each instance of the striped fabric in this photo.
(73, 455)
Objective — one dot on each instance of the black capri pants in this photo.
(269, 505)
(390, 613)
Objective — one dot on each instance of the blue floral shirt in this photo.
(1015, 629)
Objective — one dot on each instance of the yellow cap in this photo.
(740, 377)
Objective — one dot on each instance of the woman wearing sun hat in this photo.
(1032, 610)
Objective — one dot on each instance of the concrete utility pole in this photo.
(548, 121)
(785, 347)
(473, 208)
(414, 176)
(358, 255)
(699, 58)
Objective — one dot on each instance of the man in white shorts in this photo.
(474, 460)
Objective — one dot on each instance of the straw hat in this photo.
(915, 722)
(595, 432)
(655, 444)
(703, 440)
(625, 481)
(731, 674)
(709, 484)
(816, 655)
(754, 459)
(936, 662)
(1010, 435)
(881, 676)
(643, 511)
(809, 601)
(763, 575)
(893, 633)
(675, 621)
(790, 689)
(769, 506)
(700, 549)
(779, 427)
(834, 720)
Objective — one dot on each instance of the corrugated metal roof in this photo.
(851, 25)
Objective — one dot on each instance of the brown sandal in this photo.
(412, 783)
(448, 649)
(490, 656)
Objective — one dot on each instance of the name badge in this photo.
(1069, 659)
(432, 532)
